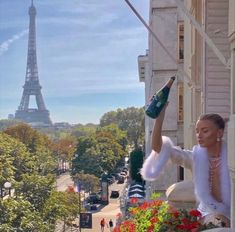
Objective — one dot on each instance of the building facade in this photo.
(209, 62)
(155, 68)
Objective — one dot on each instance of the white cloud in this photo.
(6, 44)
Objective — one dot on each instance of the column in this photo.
(231, 124)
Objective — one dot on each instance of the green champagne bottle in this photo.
(159, 99)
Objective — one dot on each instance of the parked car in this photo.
(114, 175)
(121, 179)
(93, 198)
(114, 194)
(111, 179)
(93, 207)
(125, 170)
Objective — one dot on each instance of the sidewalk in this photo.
(107, 212)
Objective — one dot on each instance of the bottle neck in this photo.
(170, 82)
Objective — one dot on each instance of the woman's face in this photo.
(207, 133)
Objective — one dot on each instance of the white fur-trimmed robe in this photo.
(197, 161)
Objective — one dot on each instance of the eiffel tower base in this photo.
(34, 116)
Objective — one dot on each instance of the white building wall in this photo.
(217, 82)
(164, 18)
(231, 125)
(217, 89)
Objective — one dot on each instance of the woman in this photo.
(207, 160)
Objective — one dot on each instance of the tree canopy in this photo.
(22, 165)
(130, 120)
(99, 152)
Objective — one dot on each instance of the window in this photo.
(180, 102)
(181, 42)
(181, 173)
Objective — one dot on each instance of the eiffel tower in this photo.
(39, 115)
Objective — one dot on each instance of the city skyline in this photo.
(87, 56)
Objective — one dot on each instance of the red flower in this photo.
(128, 226)
(156, 203)
(154, 211)
(159, 214)
(185, 221)
(144, 206)
(133, 200)
(195, 213)
(153, 219)
(151, 228)
(176, 214)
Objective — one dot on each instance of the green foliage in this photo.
(35, 189)
(27, 161)
(97, 153)
(159, 216)
(61, 206)
(38, 145)
(15, 160)
(5, 123)
(136, 163)
(32, 139)
(18, 215)
(28, 157)
(64, 149)
(88, 182)
(130, 120)
(81, 130)
(117, 133)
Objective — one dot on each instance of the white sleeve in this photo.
(211, 205)
(155, 162)
(182, 157)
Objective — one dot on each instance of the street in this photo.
(107, 212)
(63, 181)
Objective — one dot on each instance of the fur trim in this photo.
(155, 162)
(201, 176)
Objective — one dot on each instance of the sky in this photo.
(87, 53)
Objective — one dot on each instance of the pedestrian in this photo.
(102, 224)
(111, 225)
(207, 160)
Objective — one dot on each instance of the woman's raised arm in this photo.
(157, 131)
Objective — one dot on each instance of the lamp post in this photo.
(6, 186)
(1, 191)
(79, 195)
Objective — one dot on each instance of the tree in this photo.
(19, 215)
(38, 144)
(81, 130)
(117, 133)
(35, 189)
(110, 118)
(19, 164)
(61, 206)
(64, 149)
(5, 123)
(136, 163)
(97, 153)
(130, 120)
(87, 182)
(15, 160)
